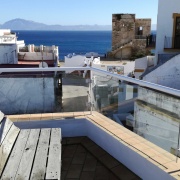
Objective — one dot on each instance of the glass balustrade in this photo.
(150, 110)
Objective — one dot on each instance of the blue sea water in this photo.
(79, 42)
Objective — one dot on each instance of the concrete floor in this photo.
(75, 94)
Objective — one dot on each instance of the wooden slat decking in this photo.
(5, 125)
(54, 167)
(39, 168)
(29, 153)
(8, 141)
(16, 154)
(24, 168)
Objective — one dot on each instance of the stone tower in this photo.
(128, 35)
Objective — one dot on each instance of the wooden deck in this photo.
(29, 153)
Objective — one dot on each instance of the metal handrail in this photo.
(164, 89)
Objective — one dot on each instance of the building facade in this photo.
(9, 47)
(168, 28)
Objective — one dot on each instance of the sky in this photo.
(76, 12)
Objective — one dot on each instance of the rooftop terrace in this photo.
(107, 143)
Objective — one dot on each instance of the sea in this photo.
(68, 42)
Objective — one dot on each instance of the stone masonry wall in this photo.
(139, 46)
(127, 30)
(145, 24)
(122, 28)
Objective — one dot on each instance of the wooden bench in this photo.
(29, 153)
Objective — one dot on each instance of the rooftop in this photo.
(121, 145)
(106, 136)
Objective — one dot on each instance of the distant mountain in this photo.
(21, 24)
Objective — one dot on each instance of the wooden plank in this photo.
(4, 128)
(39, 166)
(1, 116)
(54, 160)
(28, 156)
(16, 154)
(7, 145)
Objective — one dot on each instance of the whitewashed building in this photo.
(157, 114)
(9, 47)
(167, 51)
(168, 28)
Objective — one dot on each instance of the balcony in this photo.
(151, 41)
(172, 43)
(124, 116)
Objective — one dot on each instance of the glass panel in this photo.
(148, 113)
(157, 119)
(38, 92)
(75, 92)
(115, 99)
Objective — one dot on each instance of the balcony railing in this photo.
(151, 40)
(171, 42)
(124, 99)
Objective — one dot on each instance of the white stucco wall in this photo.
(142, 64)
(9, 47)
(75, 61)
(8, 54)
(157, 118)
(167, 74)
(128, 67)
(2, 31)
(166, 8)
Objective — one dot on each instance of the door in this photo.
(177, 34)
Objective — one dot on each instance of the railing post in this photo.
(90, 85)
(91, 91)
(178, 148)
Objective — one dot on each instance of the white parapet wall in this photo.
(82, 127)
(73, 60)
(38, 53)
(142, 64)
(123, 68)
(4, 31)
(38, 56)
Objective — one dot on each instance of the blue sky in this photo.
(76, 12)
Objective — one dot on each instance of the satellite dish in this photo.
(43, 65)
